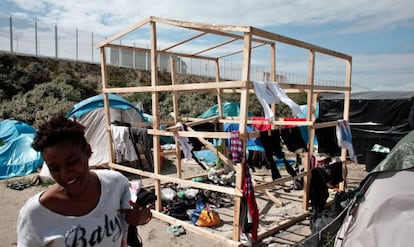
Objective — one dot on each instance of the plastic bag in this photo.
(203, 215)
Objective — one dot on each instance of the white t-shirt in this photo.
(103, 226)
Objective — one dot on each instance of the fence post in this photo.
(11, 33)
(76, 40)
(36, 51)
(92, 47)
(56, 41)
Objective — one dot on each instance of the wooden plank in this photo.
(205, 134)
(220, 155)
(214, 47)
(325, 124)
(207, 86)
(160, 177)
(279, 181)
(298, 43)
(238, 52)
(168, 53)
(175, 114)
(196, 25)
(155, 113)
(269, 231)
(273, 198)
(185, 41)
(202, 231)
(124, 32)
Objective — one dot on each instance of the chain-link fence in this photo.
(35, 38)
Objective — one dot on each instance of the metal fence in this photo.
(34, 38)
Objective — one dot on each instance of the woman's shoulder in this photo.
(110, 176)
(32, 205)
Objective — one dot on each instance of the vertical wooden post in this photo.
(347, 100)
(244, 103)
(106, 102)
(311, 130)
(220, 112)
(155, 111)
(273, 70)
(173, 66)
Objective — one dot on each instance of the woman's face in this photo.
(68, 165)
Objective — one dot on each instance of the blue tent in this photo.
(91, 113)
(230, 109)
(97, 101)
(17, 157)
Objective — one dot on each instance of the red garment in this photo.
(261, 127)
(248, 194)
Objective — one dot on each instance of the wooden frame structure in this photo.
(250, 38)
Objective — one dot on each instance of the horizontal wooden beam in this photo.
(177, 87)
(190, 183)
(202, 231)
(140, 49)
(298, 43)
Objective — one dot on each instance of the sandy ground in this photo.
(155, 233)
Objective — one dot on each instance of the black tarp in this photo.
(375, 117)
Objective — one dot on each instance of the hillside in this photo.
(33, 88)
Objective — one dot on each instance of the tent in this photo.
(90, 112)
(382, 211)
(375, 117)
(17, 157)
(230, 109)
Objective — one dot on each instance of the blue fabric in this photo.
(230, 109)
(304, 129)
(97, 101)
(11, 129)
(252, 143)
(17, 157)
(210, 157)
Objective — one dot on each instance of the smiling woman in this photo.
(84, 207)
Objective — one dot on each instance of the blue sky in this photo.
(379, 35)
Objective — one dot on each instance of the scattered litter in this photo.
(176, 230)
(168, 194)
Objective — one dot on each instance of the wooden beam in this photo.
(298, 43)
(139, 49)
(190, 183)
(269, 231)
(207, 86)
(202, 231)
(238, 52)
(175, 114)
(124, 32)
(216, 46)
(184, 41)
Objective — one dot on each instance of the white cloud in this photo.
(377, 71)
(365, 14)
(384, 71)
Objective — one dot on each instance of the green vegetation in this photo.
(32, 88)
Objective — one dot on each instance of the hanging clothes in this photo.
(141, 138)
(344, 136)
(186, 146)
(236, 146)
(251, 223)
(123, 144)
(272, 145)
(261, 127)
(293, 139)
(271, 93)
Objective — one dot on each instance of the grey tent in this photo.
(382, 212)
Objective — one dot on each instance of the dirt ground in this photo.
(155, 233)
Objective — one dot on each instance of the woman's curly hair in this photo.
(57, 129)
